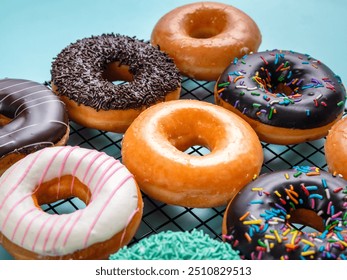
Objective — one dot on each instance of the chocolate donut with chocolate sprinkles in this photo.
(84, 75)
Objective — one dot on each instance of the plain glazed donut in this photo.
(169, 245)
(31, 117)
(110, 219)
(83, 72)
(262, 220)
(287, 97)
(336, 148)
(204, 37)
(153, 150)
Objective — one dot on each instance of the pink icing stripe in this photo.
(21, 178)
(40, 230)
(12, 208)
(28, 227)
(106, 179)
(20, 221)
(96, 169)
(103, 178)
(71, 228)
(65, 159)
(59, 233)
(50, 231)
(74, 171)
(103, 208)
(48, 166)
(91, 163)
(128, 222)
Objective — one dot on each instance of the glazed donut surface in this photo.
(104, 184)
(287, 97)
(204, 37)
(336, 148)
(83, 72)
(260, 220)
(31, 118)
(153, 150)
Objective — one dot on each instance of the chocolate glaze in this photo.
(78, 72)
(283, 89)
(39, 118)
(279, 195)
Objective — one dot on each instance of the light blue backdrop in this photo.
(33, 32)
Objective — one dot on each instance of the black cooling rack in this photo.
(158, 216)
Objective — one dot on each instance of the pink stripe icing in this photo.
(103, 179)
(50, 231)
(59, 233)
(128, 222)
(40, 230)
(20, 220)
(72, 227)
(29, 226)
(16, 185)
(76, 167)
(61, 170)
(90, 164)
(97, 217)
(48, 166)
(47, 236)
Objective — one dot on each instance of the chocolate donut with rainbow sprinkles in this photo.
(293, 214)
(287, 97)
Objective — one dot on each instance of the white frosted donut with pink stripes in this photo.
(113, 202)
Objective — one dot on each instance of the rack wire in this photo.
(158, 216)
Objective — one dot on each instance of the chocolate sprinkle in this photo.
(77, 72)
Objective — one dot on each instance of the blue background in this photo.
(33, 32)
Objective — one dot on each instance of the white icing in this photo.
(113, 202)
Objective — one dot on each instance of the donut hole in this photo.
(192, 131)
(205, 23)
(4, 120)
(117, 74)
(283, 88)
(306, 220)
(197, 150)
(57, 191)
(63, 206)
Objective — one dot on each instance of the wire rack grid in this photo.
(159, 216)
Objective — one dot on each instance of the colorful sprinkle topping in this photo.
(283, 88)
(303, 216)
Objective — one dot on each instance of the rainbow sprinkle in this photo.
(271, 230)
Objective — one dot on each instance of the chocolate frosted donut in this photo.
(83, 72)
(262, 220)
(286, 96)
(31, 118)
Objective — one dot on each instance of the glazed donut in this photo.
(31, 118)
(169, 245)
(83, 72)
(204, 37)
(336, 148)
(112, 214)
(153, 150)
(287, 97)
(262, 220)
